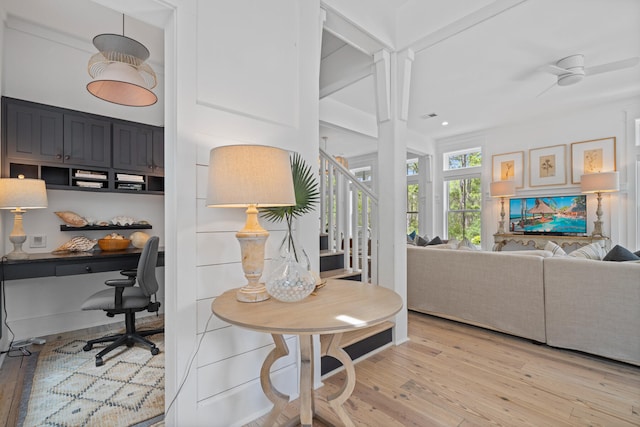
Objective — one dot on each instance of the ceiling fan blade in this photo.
(546, 90)
(555, 70)
(612, 66)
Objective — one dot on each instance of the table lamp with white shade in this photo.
(250, 176)
(21, 194)
(598, 183)
(502, 189)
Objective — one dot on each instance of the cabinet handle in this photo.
(88, 269)
(150, 166)
(58, 156)
(67, 157)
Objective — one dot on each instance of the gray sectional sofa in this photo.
(578, 304)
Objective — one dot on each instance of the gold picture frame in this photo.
(547, 166)
(595, 155)
(508, 166)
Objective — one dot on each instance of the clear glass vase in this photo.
(292, 279)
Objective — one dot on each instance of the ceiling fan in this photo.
(571, 70)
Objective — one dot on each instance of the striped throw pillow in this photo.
(555, 249)
(591, 251)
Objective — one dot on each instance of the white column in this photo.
(392, 74)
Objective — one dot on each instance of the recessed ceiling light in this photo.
(445, 123)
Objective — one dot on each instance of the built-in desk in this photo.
(68, 264)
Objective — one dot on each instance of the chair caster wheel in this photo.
(155, 350)
(130, 343)
(99, 361)
(87, 347)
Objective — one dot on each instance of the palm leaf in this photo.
(305, 187)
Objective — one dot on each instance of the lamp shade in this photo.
(243, 175)
(22, 193)
(120, 74)
(602, 182)
(503, 188)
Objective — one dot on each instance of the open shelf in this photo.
(64, 227)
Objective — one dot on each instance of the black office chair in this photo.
(129, 299)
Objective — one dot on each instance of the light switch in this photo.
(38, 241)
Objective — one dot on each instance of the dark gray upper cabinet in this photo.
(138, 147)
(87, 140)
(49, 134)
(75, 150)
(34, 132)
(158, 151)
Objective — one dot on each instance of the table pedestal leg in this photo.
(306, 380)
(278, 399)
(330, 346)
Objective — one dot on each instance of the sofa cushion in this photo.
(591, 251)
(619, 253)
(555, 249)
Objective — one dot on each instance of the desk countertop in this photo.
(72, 263)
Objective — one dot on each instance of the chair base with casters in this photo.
(126, 298)
(130, 338)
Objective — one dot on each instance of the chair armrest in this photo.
(129, 273)
(121, 283)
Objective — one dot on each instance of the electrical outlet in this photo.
(38, 241)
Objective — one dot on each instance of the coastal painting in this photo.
(558, 214)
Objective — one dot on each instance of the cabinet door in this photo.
(158, 151)
(33, 133)
(132, 147)
(87, 141)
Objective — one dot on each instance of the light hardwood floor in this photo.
(451, 374)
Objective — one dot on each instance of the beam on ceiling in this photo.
(463, 24)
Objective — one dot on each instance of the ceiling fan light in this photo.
(570, 79)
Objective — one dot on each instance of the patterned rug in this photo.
(69, 390)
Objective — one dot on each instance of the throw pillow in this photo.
(637, 253)
(412, 235)
(466, 244)
(555, 249)
(410, 240)
(592, 251)
(420, 241)
(618, 253)
(435, 241)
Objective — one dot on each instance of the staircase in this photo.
(346, 205)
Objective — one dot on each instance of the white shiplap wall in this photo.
(245, 72)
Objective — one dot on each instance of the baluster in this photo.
(354, 229)
(365, 238)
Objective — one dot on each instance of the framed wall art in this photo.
(596, 155)
(547, 166)
(509, 166)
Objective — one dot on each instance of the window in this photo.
(363, 174)
(413, 196)
(463, 191)
(462, 159)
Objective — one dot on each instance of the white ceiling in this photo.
(478, 64)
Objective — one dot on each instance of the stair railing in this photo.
(349, 215)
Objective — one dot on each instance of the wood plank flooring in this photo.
(451, 374)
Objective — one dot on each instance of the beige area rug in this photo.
(69, 390)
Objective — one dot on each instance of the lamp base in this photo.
(252, 293)
(597, 229)
(252, 239)
(17, 237)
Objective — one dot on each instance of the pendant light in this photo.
(120, 74)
